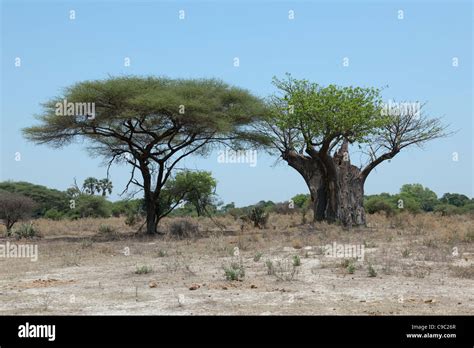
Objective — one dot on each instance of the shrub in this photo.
(257, 256)
(92, 206)
(447, 209)
(106, 229)
(53, 214)
(371, 271)
(26, 231)
(45, 198)
(270, 267)
(143, 269)
(378, 204)
(14, 207)
(132, 219)
(183, 228)
(235, 271)
(259, 217)
(296, 261)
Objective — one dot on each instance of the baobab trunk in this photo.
(336, 187)
(344, 191)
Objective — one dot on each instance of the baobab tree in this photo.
(314, 128)
(150, 124)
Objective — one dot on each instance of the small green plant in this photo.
(345, 263)
(270, 267)
(162, 253)
(257, 256)
(406, 253)
(285, 270)
(372, 271)
(26, 231)
(351, 268)
(296, 261)
(86, 243)
(235, 271)
(143, 269)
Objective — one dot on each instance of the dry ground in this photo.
(81, 271)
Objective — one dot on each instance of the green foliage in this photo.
(53, 214)
(296, 261)
(371, 271)
(455, 199)
(448, 209)
(91, 206)
(196, 188)
(235, 271)
(423, 196)
(90, 186)
(127, 207)
(324, 111)
(377, 204)
(144, 269)
(26, 231)
(44, 197)
(302, 201)
(259, 217)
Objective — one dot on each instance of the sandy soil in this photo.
(84, 275)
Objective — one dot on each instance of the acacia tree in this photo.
(314, 128)
(14, 207)
(151, 124)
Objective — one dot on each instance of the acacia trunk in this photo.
(150, 201)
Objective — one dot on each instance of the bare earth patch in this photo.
(421, 265)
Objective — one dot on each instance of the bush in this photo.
(44, 197)
(14, 207)
(378, 204)
(143, 269)
(183, 228)
(447, 209)
(235, 271)
(296, 261)
(92, 206)
(26, 231)
(259, 217)
(53, 214)
(371, 271)
(106, 229)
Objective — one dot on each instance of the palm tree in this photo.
(90, 186)
(105, 185)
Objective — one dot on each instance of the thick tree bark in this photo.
(349, 191)
(336, 186)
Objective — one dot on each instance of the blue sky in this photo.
(413, 56)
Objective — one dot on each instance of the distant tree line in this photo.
(192, 194)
